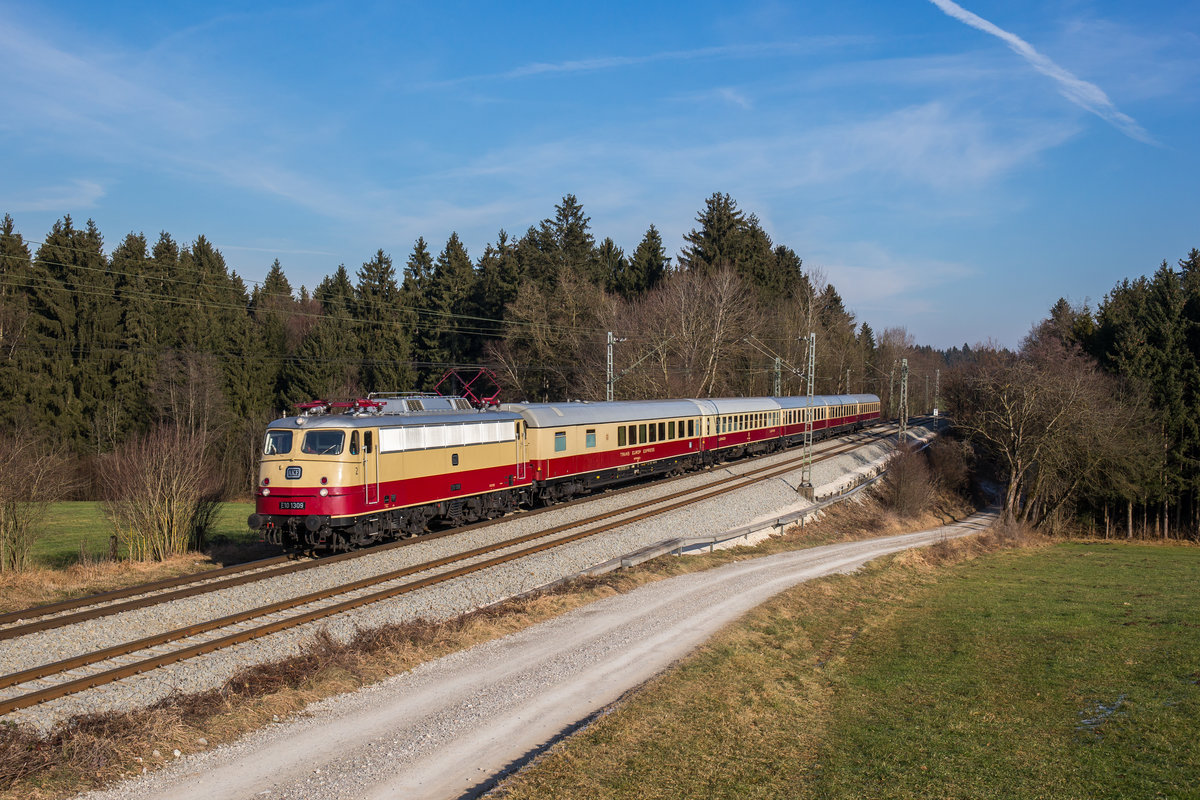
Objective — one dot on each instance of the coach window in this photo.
(278, 443)
(642, 433)
(560, 441)
(671, 429)
(653, 433)
(621, 436)
(662, 431)
(591, 437)
(691, 427)
(354, 443)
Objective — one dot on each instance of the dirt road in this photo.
(450, 728)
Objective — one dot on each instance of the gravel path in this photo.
(439, 602)
(451, 727)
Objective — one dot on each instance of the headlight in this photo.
(324, 493)
(266, 492)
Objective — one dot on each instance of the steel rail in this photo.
(80, 684)
(33, 612)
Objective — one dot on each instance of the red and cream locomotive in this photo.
(345, 475)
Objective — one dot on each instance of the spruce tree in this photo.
(418, 294)
(450, 294)
(16, 354)
(384, 336)
(614, 264)
(139, 296)
(77, 332)
(499, 277)
(717, 243)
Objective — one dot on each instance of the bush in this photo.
(907, 486)
(160, 492)
(951, 463)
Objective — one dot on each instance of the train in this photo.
(343, 475)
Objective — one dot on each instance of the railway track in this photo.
(25, 688)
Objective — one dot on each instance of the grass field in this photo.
(1069, 671)
(80, 527)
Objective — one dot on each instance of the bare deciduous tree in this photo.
(1054, 423)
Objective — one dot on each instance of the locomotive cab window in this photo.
(354, 443)
(367, 443)
(278, 443)
(324, 443)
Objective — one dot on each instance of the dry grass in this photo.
(20, 590)
(93, 751)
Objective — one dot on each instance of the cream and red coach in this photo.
(344, 475)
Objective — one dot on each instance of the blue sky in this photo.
(950, 168)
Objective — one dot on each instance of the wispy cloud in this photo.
(735, 97)
(1086, 95)
(760, 50)
(74, 195)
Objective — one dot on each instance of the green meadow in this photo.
(79, 529)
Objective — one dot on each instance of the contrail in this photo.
(1085, 95)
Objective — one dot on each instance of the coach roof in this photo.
(551, 415)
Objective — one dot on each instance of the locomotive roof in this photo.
(393, 420)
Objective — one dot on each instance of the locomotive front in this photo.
(310, 474)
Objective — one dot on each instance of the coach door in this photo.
(521, 455)
(370, 455)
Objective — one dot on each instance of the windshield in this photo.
(324, 443)
(278, 443)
